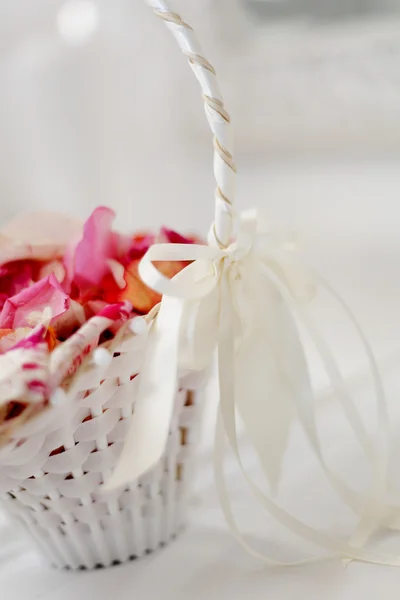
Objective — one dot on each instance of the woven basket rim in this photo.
(20, 429)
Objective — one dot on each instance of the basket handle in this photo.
(217, 116)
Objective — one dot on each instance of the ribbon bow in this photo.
(244, 301)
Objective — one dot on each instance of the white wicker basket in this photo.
(51, 475)
(52, 472)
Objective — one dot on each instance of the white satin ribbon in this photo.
(245, 301)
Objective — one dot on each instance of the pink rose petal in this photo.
(3, 298)
(93, 307)
(117, 271)
(42, 295)
(14, 337)
(33, 340)
(171, 236)
(139, 247)
(121, 310)
(87, 265)
(17, 382)
(14, 277)
(67, 357)
(122, 243)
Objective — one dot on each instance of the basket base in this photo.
(128, 537)
(132, 558)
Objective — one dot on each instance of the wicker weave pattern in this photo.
(51, 478)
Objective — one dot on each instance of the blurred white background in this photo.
(99, 107)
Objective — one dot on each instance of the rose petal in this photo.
(4, 332)
(3, 298)
(142, 298)
(67, 357)
(138, 293)
(14, 277)
(140, 243)
(35, 339)
(88, 262)
(36, 298)
(51, 338)
(69, 264)
(10, 339)
(116, 312)
(69, 321)
(24, 382)
(122, 243)
(117, 271)
(173, 237)
(93, 307)
(41, 236)
(56, 267)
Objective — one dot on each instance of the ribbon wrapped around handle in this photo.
(244, 300)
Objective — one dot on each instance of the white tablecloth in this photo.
(356, 245)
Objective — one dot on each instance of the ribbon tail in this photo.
(227, 509)
(167, 350)
(297, 527)
(375, 504)
(226, 357)
(147, 437)
(370, 507)
(262, 395)
(227, 423)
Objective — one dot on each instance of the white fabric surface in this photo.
(354, 241)
(205, 561)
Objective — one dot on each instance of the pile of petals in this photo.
(64, 289)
